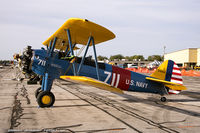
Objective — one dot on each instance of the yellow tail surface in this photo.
(169, 74)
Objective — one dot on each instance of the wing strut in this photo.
(71, 49)
(52, 47)
(83, 58)
(95, 56)
(91, 39)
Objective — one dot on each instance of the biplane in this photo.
(59, 61)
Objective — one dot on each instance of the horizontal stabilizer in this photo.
(92, 82)
(171, 85)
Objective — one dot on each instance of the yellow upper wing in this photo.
(90, 81)
(80, 30)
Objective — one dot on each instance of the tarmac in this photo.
(84, 109)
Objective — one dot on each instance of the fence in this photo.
(183, 72)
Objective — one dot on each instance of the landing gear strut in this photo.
(37, 91)
(44, 96)
(163, 99)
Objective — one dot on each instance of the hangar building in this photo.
(185, 58)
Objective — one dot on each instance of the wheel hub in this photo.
(46, 99)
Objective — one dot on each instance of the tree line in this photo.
(2, 62)
(131, 58)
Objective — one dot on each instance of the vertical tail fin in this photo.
(169, 71)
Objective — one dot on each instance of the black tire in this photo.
(163, 99)
(45, 99)
(37, 91)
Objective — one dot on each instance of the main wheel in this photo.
(163, 99)
(37, 91)
(45, 99)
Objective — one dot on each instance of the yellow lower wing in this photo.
(171, 85)
(95, 83)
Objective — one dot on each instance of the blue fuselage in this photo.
(113, 75)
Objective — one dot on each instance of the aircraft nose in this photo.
(27, 59)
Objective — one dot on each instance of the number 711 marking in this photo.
(115, 80)
(41, 62)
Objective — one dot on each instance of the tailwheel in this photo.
(45, 99)
(163, 99)
(37, 91)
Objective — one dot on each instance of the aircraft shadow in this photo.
(156, 103)
(192, 94)
(68, 99)
(61, 106)
(184, 100)
(69, 129)
(70, 106)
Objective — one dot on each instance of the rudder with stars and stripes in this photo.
(169, 71)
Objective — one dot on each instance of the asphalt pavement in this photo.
(84, 109)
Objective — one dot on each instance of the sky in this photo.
(142, 27)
